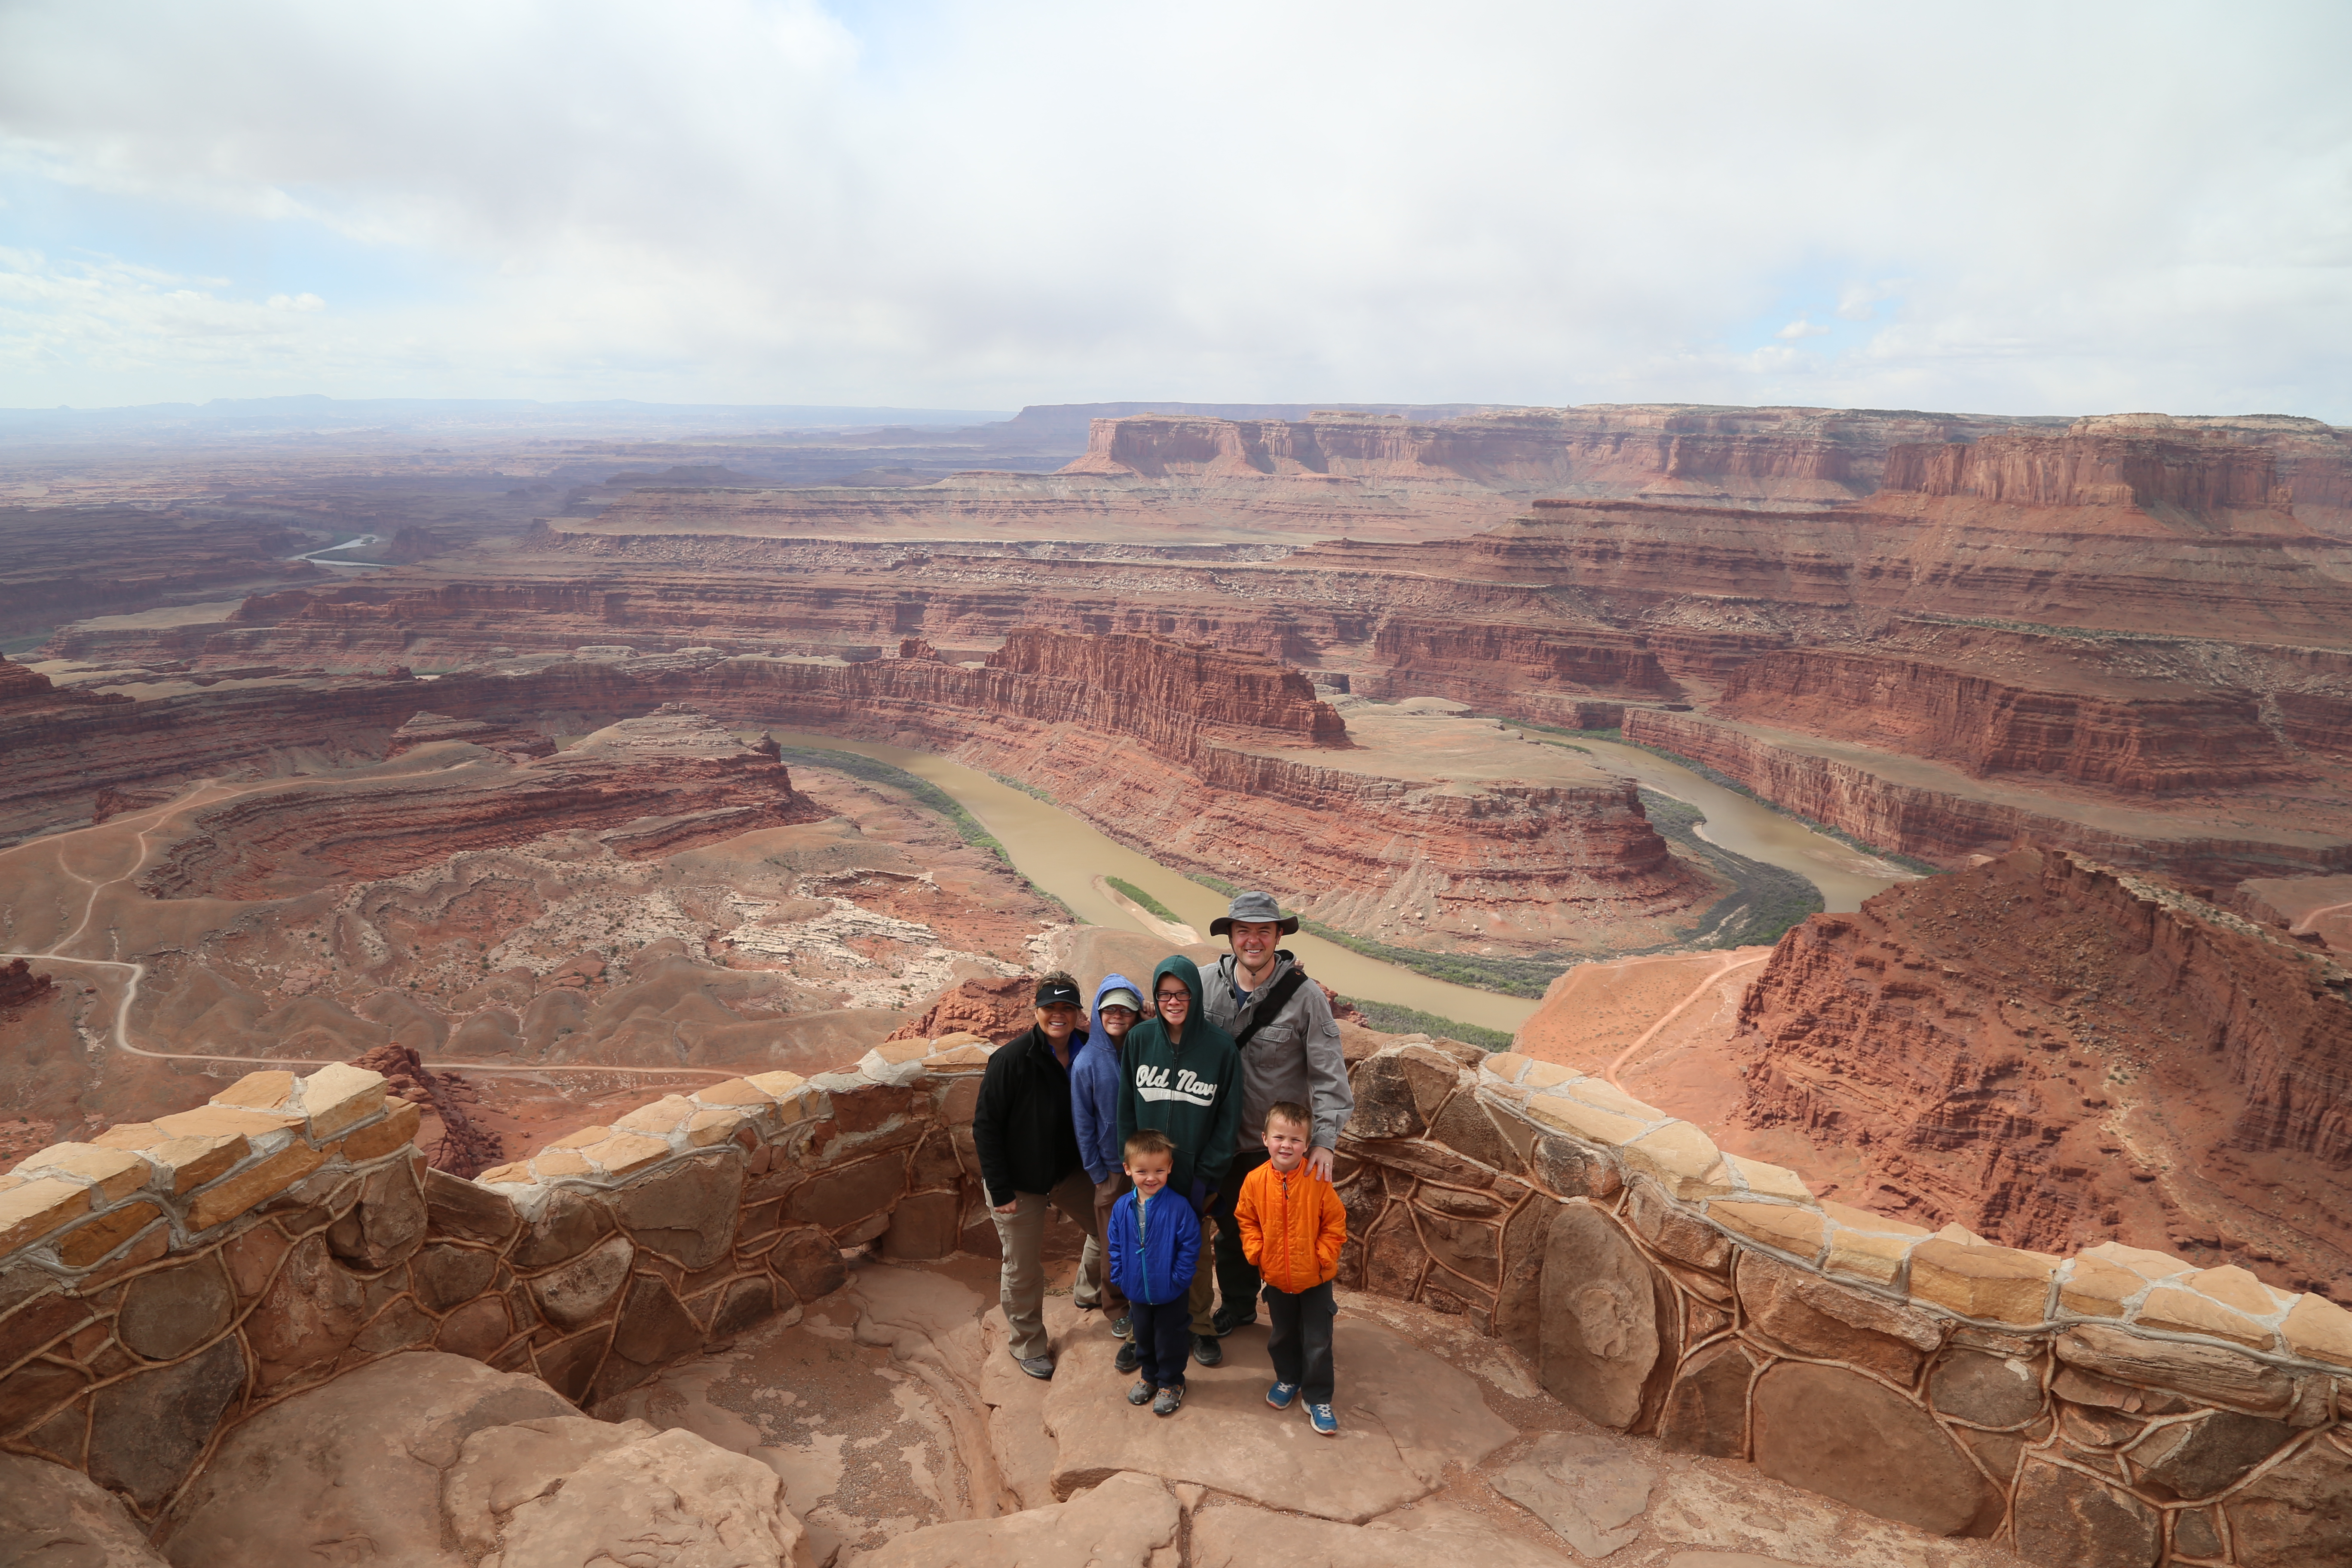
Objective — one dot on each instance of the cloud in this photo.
(967, 205)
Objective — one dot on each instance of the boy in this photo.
(1180, 1074)
(1293, 1226)
(1155, 1246)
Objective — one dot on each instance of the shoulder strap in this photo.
(1276, 999)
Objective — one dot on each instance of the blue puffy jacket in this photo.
(1157, 1267)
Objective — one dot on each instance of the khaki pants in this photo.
(1096, 1286)
(1021, 1235)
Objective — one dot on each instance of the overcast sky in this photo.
(2039, 208)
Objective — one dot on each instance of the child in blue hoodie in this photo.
(1155, 1245)
(1093, 1111)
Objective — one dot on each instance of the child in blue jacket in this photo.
(1155, 1244)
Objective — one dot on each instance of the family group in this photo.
(1203, 1108)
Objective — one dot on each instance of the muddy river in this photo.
(1064, 855)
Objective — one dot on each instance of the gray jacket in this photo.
(1296, 1056)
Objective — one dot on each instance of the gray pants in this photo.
(1096, 1286)
(1021, 1235)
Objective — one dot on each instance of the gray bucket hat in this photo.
(1254, 909)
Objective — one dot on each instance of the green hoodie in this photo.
(1191, 1090)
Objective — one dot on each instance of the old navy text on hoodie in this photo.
(1183, 1083)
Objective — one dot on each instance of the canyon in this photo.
(541, 803)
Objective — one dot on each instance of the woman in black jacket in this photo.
(1027, 1142)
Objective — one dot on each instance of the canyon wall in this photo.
(168, 1282)
(1766, 456)
(2197, 478)
(2137, 738)
(1946, 826)
(2049, 1051)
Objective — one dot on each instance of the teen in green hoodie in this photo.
(1182, 1074)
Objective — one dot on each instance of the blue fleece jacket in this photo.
(1157, 1266)
(1094, 1089)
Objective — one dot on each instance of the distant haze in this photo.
(963, 207)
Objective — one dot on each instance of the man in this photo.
(1180, 1074)
(1290, 1046)
(1028, 1147)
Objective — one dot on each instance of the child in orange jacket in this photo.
(1293, 1226)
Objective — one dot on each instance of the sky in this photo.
(1992, 208)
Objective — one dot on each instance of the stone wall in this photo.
(2111, 1410)
(172, 1279)
(2100, 1411)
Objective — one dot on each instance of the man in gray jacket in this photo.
(1290, 1050)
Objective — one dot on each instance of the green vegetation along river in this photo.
(1063, 856)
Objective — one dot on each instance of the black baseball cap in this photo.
(1058, 993)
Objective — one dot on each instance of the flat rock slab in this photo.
(1591, 1492)
(1236, 1537)
(1404, 1418)
(1128, 1521)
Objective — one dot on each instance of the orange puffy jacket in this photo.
(1292, 1227)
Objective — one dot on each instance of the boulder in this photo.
(1847, 1437)
(686, 1213)
(1231, 1536)
(354, 1464)
(1985, 1390)
(1125, 1521)
(1599, 1325)
(146, 1432)
(657, 1499)
(51, 1517)
(2296, 1514)
(575, 1292)
(1806, 1313)
(170, 1313)
(2064, 1516)
(1706, 1410)
(1589, 1491)
(2198, 1458)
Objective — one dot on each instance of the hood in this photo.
(1094, 1012)
(1185, 969)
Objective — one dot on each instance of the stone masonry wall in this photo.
(2117, 1409)
(172, 1279)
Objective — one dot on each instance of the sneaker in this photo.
(1228, 1318)
(1321, 1417)
(1123, 1326)
(1281, 1395)
(1140, 1393)
(1206, 1349)
(1169, 1398)
(1130, 1358)
(1085, 1306)
(1037, 1366)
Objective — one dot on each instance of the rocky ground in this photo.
(887, 1424)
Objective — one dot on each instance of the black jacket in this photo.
(1022, 1127)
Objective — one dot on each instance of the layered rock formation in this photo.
(2051, 1052)
(648, 787)
(2198, 481)
(21, 988)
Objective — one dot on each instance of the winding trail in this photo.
(1609, 1073)
(209, 792)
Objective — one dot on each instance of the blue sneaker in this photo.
(1281, 1395)
(1319, 1416)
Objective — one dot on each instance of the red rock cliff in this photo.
(2052, 1053)
(2141, 738)
(2201, 478)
